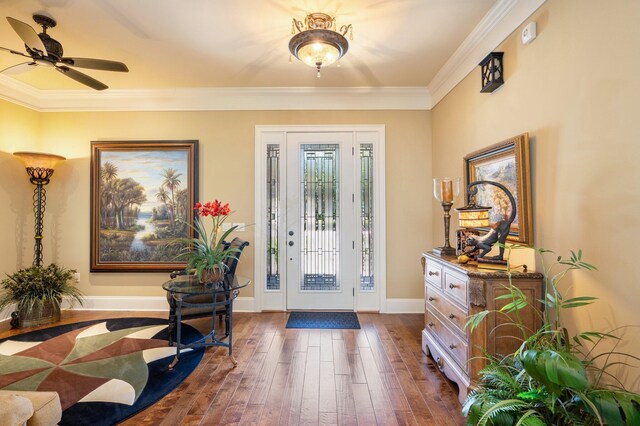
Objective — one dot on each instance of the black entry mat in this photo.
(327, 320)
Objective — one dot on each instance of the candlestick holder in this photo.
(445, 190)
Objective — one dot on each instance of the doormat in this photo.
(104, 371)
(327, 320)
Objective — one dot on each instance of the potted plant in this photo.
(553, 378)
(207, 254)
(37, 292)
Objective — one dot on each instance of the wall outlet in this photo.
(76, 277)
(227, 226)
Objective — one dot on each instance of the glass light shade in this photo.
(473, 218)
(39, 159)
(446, 189)
(318, 47)
(318, 52)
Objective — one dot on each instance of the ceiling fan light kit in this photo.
(316, 41)
(42, 50)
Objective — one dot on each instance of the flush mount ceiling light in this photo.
(317, 43)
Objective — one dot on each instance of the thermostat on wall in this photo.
(529, 33)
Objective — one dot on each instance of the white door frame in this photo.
(275, 300)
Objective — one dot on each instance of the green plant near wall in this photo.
(38, 288)
(553, 378)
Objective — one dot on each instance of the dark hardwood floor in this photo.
(375, 375)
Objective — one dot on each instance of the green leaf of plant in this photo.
(555, 369)
(530, 418)
(501, 406)
(530, 395)
(475, 320)
(575, 305)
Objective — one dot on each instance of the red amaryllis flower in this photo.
(207, 251)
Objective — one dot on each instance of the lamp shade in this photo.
(446, 189)
(39, 159)
(318, 48)
(473, 216)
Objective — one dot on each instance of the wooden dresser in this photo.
(452, 293)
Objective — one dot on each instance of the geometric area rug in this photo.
(103, 370)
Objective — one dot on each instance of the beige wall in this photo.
(226, 172)
(575, 89)
(19, 131)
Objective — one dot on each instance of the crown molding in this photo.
(216, 99)
(501, 20)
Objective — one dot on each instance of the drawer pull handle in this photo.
(452, 286)
(431, 324)
(440, 363)
(431, 299)
(433, 273)
(451, 316)
(452, 346)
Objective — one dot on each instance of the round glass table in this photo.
(186, 287)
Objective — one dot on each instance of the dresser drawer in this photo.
(433, 274)
(455, 316)
(452, 344)
(455, 287)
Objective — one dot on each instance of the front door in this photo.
(320, 221)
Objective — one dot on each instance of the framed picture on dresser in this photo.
(507, 163)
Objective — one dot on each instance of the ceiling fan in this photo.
(42, 50)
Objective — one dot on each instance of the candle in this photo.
(447, 191)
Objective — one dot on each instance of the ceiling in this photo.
(217, 44)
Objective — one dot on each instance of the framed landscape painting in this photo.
(507, 163)
(142, 194)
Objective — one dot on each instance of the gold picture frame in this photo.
(142, 193)
(508, 163)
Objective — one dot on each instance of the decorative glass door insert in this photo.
(320, 212)
(320, 221)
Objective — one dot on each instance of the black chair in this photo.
(190, 313)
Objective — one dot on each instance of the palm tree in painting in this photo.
(128, 193)
(182, 199)
(162, 195)
(171, 182)
(108, 177)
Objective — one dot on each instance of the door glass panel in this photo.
(366, 217)
(273, 206)
(319, 195)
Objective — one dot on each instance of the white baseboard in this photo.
(131, 303)
(159, 303)
(144, 303)
(405, 306)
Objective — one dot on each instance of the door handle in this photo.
(290, 243)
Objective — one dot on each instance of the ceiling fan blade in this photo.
(19, 69)
(28, 35)
(82, 78)
(14, 52)
(95, 64)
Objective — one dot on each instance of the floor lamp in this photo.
(39, 168)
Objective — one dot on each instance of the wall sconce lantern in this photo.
(492, 72)
(39, 168)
